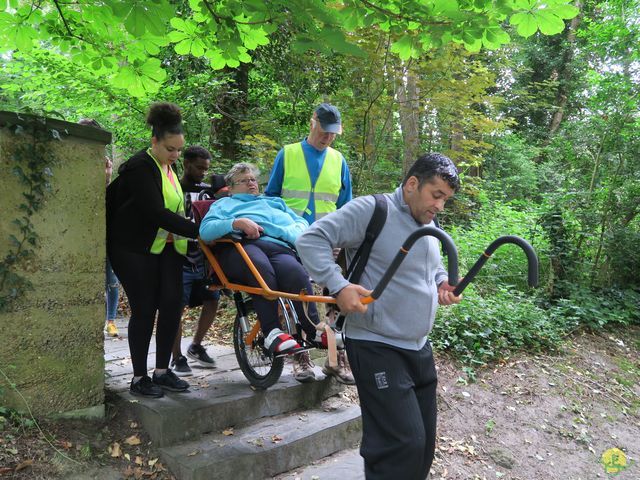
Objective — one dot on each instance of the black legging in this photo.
(153, 283)
(280, 270)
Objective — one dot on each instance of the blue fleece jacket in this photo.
(281, 225)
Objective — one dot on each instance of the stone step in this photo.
(266, 447)
(345, 465)
(218, 398)
(177, 417)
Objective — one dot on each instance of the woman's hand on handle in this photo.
(349, 297)
(250, 228)
(445, 294)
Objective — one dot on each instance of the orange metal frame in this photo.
(263, 289)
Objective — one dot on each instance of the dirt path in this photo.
(536, 417)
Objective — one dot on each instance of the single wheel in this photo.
(261, 369)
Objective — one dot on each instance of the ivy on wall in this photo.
(32, 164)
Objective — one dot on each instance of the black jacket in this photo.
(135, 207)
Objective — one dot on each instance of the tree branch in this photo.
(399, 16)
(67, 27)
(219, 18)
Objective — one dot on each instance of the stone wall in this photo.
(52, 305)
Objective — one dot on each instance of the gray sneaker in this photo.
(342, 373)
(303, 368)
(181, 367)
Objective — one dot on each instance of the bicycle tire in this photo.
(261, 369)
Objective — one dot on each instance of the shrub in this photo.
(483, 329)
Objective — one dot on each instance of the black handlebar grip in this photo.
(532, 261)
(447, 244)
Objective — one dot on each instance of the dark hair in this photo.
(164, 118)
(89, 122)
(196, 151)
(433, 165)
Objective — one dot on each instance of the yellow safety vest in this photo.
(174, 201)
(297, 190)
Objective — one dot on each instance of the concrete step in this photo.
(183, 416)
(267, 447)
(219, 398)
(344, 465)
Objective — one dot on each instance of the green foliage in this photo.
(11, 419)
(548, 20)
(484, 329)
(508, 265)
(122, 40)
(512, 170)
(598, 309)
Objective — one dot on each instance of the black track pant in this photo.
(153, 283)
(397, 390)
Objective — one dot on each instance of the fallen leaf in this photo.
(127, 456)
(115, 450)
(228, 431)
(23, 465)
(153, 462)
(139, 461)
(128, 472)
(133, 440)
(65, 444)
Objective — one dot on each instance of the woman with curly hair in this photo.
(146, 244)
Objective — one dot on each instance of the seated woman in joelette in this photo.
(270, 228)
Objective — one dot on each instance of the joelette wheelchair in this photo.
(262, 368)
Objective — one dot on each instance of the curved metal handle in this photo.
(447, 244)
(532, 261)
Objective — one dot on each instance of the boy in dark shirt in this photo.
(196, 163)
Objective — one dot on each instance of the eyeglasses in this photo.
(246, 181)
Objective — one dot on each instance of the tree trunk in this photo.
(565, 74)
(409, 113)
(226, 130)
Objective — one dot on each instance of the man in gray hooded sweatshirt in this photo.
(387, 342)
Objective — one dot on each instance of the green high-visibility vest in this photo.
(174, 201)
(297, 190)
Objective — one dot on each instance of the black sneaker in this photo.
(181, 367)
(169, 381)
(199, 354)
(145, 388)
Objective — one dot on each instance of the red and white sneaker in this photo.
(279, 343)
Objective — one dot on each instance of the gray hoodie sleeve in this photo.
(343, 228)
(441, 273)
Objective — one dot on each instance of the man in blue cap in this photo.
(311, 177)
(314, 180)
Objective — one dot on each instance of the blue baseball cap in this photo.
(329, 118)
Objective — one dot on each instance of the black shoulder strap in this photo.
(356, 267)
(378, 218)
